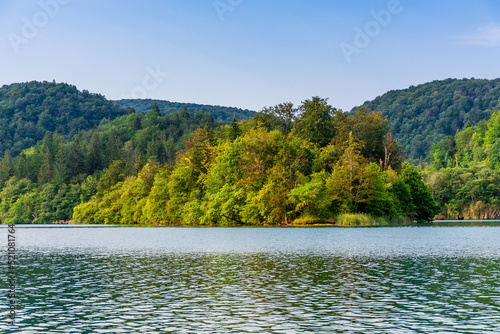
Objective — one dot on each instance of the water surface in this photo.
(431, 279)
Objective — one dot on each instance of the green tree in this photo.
(310, 199)
(61, 170)
(156, 110)
(425, 208)
(46, 170)
(234, 129)
(315, 123)
(113, 175)
(94, 158)
(6, 168)
(76, 160)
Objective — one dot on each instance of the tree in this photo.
(155, 210)
(61, 171)
(46, 170)
(113, 175)
(94, 158)
(493, 129)
(425, 208)
(315, 123)
(156, 110)
(112, 148)
(394, 156)
(76, 159)
(310, 198)
(6, 168)
(234, 129)
(347, 184)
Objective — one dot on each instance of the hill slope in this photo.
(224, 114)
(28, 110)
(423, 115)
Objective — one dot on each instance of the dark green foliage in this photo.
(280, 117)
(443, 152)
(6, 168)
(425, 114)
(422, 203)
(219, 113)
(94, 156)
(315, 123)
(235, 130)
(156, 110)
(29, 110)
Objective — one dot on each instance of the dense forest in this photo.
(45, 182)
(281, 167)
(29, 110)
(464, 173)
(74, 155)
(423, 115)
(285, 165)
(224, 114)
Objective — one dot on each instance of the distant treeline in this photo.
(224, 114)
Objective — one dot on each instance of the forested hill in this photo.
(224, 114)
(424, 114)
(28, 110)
(305, 164)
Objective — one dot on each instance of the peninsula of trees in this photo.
(305, 164)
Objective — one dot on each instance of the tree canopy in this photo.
(423, 115)
(29, 110)
(81, 157)
(52, 177)
(220, 113)
(266, 171)
(464, 173)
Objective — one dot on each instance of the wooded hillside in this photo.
(424, 114)
(28, 110)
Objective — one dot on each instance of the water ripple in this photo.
(308, 290)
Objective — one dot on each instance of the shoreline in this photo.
(315, 225)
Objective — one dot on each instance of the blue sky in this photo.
(248, 53)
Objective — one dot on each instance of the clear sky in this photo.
(248, 53)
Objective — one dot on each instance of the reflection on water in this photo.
(385, 280)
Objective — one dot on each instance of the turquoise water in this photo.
(427, 279)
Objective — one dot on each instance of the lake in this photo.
(98, 279)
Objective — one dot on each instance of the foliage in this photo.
(29, 110)
(266, 172)
(315, 123)
(360, 219)
(423, 115)
(280, 167)
(55, 175)
(223, 114)
(465, 172)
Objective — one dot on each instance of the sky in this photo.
(248, 53)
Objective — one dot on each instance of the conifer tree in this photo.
(234, 130)
(156, 110)
(46, 170)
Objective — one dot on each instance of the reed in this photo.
(361, 219)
